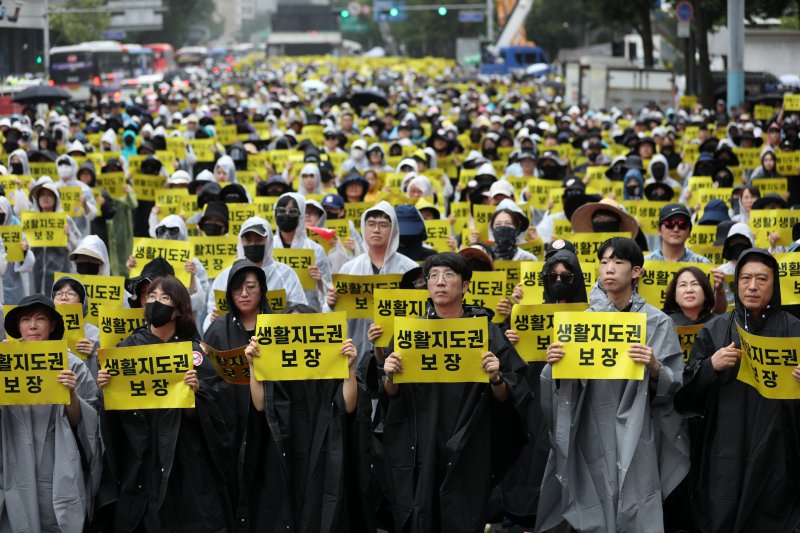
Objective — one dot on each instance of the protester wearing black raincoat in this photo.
(745, 466)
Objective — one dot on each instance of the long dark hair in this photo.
(671, 304)
(185, 327)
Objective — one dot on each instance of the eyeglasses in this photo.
(307, 176)
(373, 224)
(681, 224)
(163, 298)
(448, 276)
(246, 289)
(290, 212)
(65, 294)
(566, 277)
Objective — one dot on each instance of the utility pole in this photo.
(490, 21)
(735, 54)
(46, 39)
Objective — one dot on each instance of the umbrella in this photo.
(313, 85)
(333, 100)
(42, 94)
(366, 97)
(538, 69)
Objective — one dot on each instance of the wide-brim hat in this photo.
(29, 302)
(582, 218)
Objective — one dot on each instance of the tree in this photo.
(179, 17)
(622, 15)
(561, 24)
(428, 33)
(76, 28)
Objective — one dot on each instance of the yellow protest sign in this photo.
(789, 277)
(170, 201)
(231, 365)
(215, 253)
(42, 169)
(487, 289)
(301, 346)
(441, 351)
(772, 185)
(73, 325)
(763, 112)
(29, 373)
(437, 229)
(100, 290)
(391, 303)
(117, 323)
(176, 253)
(113, 183)
(534, 325)
(300, 259)
(145, 186)
(12, 240)
(765, 221)
(596, 345)
(276, 299)
(767, 364)
(71, 200)
(461, 212)
(686, 336)
(532, 280)
(238, 215)
(711, 252)
(788, 162)
(702, 236)
(749, 158)
(646, 212)
(203, 149)
(587, 244)
(45, 230)
(353, 211)
(687, 101)
(791, 102)
(355, 293)
(657, 275)
(512, 270)
(482, 215)
(148, 376)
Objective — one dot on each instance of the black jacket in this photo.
(745, 473)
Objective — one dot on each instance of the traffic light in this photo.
(442, 11)
(344, 13)
(39, 59)
(393, 12)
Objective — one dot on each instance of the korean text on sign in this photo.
(176, 253)
(297, 347)
(391, 303)
(355, 293)
(534, 325)
(487, 289)
(657, 275)
(100, 290)
(300, 260)
(687, 336)
(148, 376)
(44, 230)
(596, 345)
(767, 364)
(216, 253)
(231, 365)
(73, 325)
(29, 373)
(441, 351)
(117, 324)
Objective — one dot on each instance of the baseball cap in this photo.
(333, 201)
(500, 187)
(670, 210)
(558, 245)
(257, 228)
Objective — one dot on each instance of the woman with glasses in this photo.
(68, 290)
(166, 468)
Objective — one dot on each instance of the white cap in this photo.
(501, 187)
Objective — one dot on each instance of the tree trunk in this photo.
(702, 23)
(646, 33)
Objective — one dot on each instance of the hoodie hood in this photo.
(241, 265)
(93, 246)
(81, 291)
(5, 207)
(394, 238)
(324, 218)
(378, 147)
(45, 182)
(636, 175)
(73, 165)
(110, 137)
(248, 224)
(311, 169)
(516, 210)
(423, 184)
(738, 229)
(23, 157)
(89, 166)
(174, 221)
(298, 241)
(227, 163)
(658, 158)
(745, 318)
(577, 289)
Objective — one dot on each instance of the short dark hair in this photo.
(451, 260)
(753, 190)
(376, 213)
(185, 327)
(623, 248)
(671, 304)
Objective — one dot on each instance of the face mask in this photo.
(254, 252)
(667, 150)
(489, 152)
(128, 140)
(17, 168)
(505, 241)
(64, 172)
(605, 227)
(2, 218)
(658, 172)
(358, 155)
(592, 157)
(634, 191)
(735, 251)
(212, 230)
(170, 234)
(158, 314)
(286, 223)
(550, 172)
(724, 181)
(559, 290)
(87, 268)
(616, 174)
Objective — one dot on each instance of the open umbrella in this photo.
(367, 97)
(44, 94)
(313, 85)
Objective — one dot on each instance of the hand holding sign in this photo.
(641, 353)
(555, 353)
(191, 380)
(725, 357)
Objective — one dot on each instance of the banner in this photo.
(176, 253)
(487, 289)
(596, 345)
(657, 275)
(767, 364)
(301, 346)
(100, 290)
(276, 299)
(441, 351)
(231, 365)
(686, 336)
(73, 325)
(300, 259)
(534, 325)
(45, 230)
(117, 323)
(215, 253)
(148, 376)
(71, 200)
(12, 240)
(391, 303)
(354, 293)
(29, 372)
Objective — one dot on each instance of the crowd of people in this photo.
(354, 178)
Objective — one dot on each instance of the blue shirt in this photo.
(688, 257)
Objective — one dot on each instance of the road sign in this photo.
(114, 35)
(389, 10)
(684, 11)
(471, 16)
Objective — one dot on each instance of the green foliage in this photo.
(559, 24)
(76, 28)
(180, 15)
(429, 33)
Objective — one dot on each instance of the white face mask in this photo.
(64, 172)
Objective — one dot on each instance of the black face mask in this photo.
(560, 290)
(658, 172)
(87, 268)
(550, 172)
(17, 168)
(605, 227)
(129, 140)
(158, 314)
(505, 242)
(667, 150)
(212, 230)
(634, 191)
(616, 173)
(724, 181)
(735, 250)
(592, 157)
(489, 152)
(287, 223)
(254, 252)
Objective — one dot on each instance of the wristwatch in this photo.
(500, 381)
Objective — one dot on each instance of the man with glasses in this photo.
(447, 445)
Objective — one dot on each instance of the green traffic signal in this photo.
(344, 13)
(442, 11)
(393, 12)
(38, 60)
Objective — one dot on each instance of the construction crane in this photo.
(512, 50)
